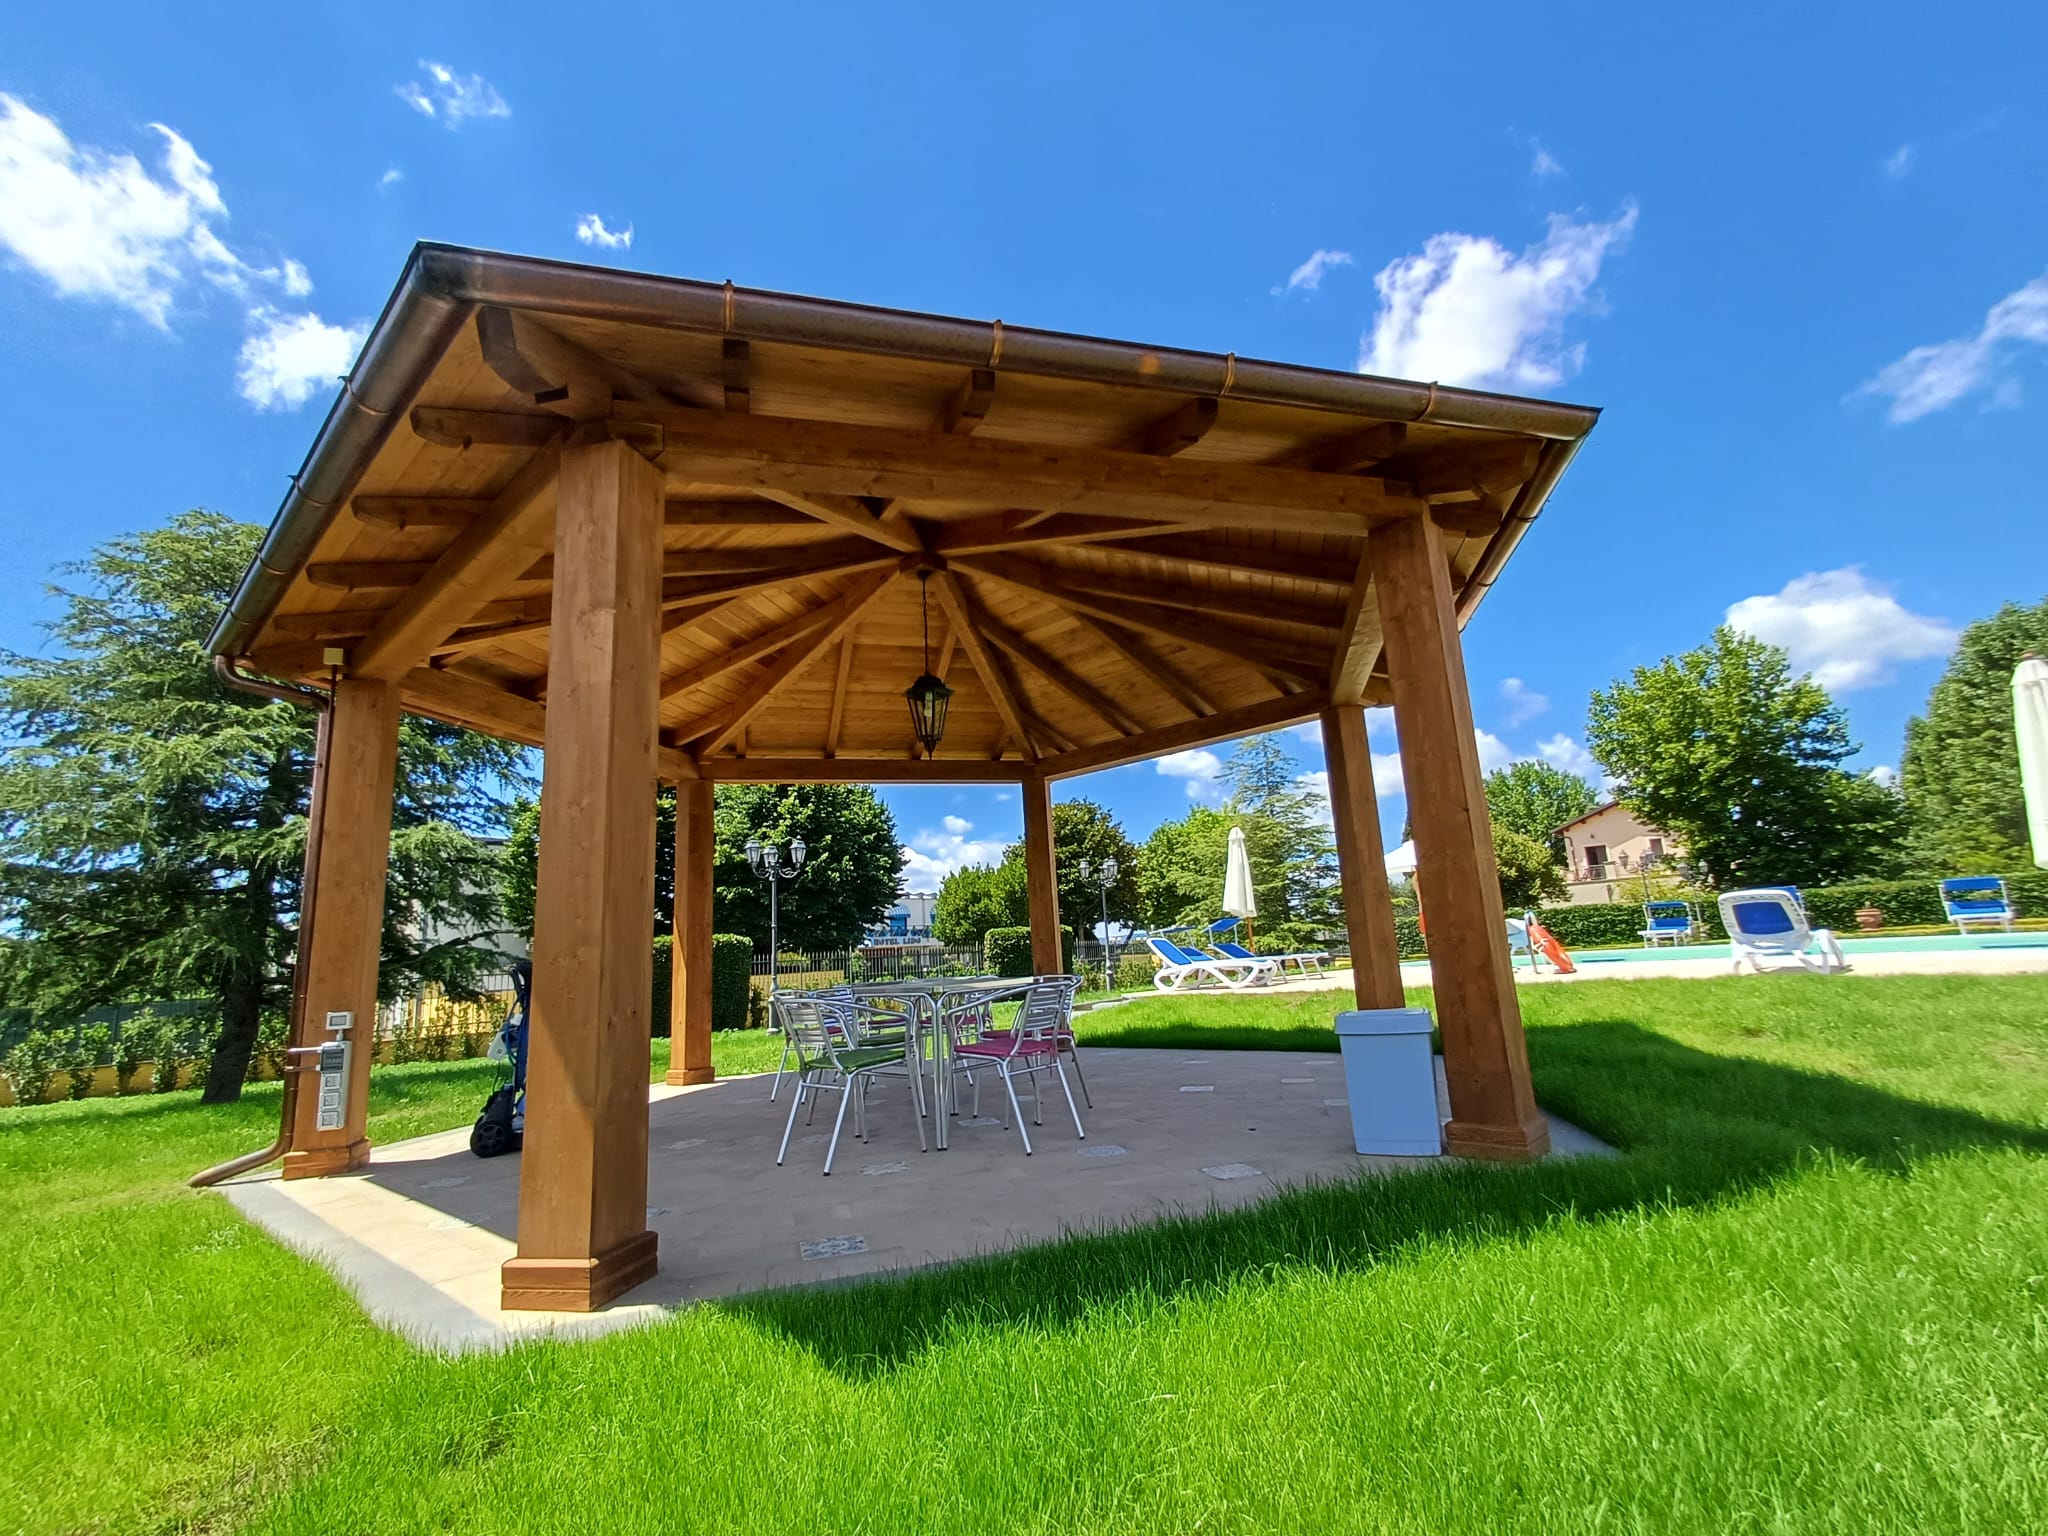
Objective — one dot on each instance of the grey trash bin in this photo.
(1390, 1080)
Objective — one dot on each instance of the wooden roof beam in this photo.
(404, 512)
(1177, 431)
(853, 516)
(485, 559)
(1358, 641)
(1074, 686)
(1010, 530)
(1148, 661)
(960, 614)
(1268, 657)
(772, 455)
(1165, 594)
(1317, 570)
(767, 641)
(837, 717)
(709, 734)
(1353, 451)
(685, 591)
(460, 699)
(970, 402)
(736, 368)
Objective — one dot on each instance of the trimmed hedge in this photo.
(732, 970)
(1007, 951)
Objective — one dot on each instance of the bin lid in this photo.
(1383, 1021)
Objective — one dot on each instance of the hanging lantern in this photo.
(928, 696)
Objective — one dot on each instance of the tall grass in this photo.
(1808, 1296)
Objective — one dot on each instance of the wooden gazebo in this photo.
(675, 531)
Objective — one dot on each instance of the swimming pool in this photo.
(1925, 943)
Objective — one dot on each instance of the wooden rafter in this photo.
(840, 676)
(853, 516)
(1465, 472)
(1358, 640)
(461, 699)
(486, 558)
(722, 662)
(1354, 451)
(677, 591)
(1317, 570)
(1074, 686)
(961, 620)
(1148, 661)
(552, 371)
(1116, 586)
(736, 368)
(463, 641)
(709, 734)
(1010, 530)
(1270, 657)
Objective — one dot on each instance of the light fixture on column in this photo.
(928, 696)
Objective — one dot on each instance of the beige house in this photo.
(1606, 851)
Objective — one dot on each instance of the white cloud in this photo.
(391, 178)
(1004, 794)
(288, 358)
(97, 225)
(1932, 378)
(1562, 751)
(1308, 277)
(452, 98)
(1317, 785)
(1468, 311)
(1899, 163)
(1885, 775)
(591, 231)
(1521, 701)
(1544, 164)
(1201, 770)
(1842, 627)
(931, 855)
(1493, 752)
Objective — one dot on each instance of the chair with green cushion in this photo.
(824, 1033)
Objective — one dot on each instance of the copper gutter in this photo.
(442, 284)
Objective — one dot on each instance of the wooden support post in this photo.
(583, 1235)
(1362, 866)
(1041, 875)
(689, 1018)
(1493, 1111)
(352, 779)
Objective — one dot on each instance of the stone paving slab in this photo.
(419, 1237)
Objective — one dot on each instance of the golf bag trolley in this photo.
(501, 1127)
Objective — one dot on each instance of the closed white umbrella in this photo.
(1238, 900)
(2030, 728)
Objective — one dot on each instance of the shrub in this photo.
(88, 1047)
(273, 1035)
(32, 1063)
(732, 981)
(132, 1049)
(1134, 973)
(1007, 951)
(167, 1049)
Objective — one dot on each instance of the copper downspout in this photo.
(229, 672)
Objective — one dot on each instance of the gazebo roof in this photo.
(1131, 550)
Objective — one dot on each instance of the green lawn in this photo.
(1812, 1295)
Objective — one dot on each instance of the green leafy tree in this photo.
(1529, 872)
(1960, 771)
(976, 899)
(1740, 760)
(1535, 799)
(1180, 870)
(152, 820)
(980, 897)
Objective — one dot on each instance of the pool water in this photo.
(1852, 947)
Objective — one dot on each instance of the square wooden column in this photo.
(1493, 1111)
(689, 955)
(1361, 863)
(341, 921)
(583, 1235)
(1042, 877)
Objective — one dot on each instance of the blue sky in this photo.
(1798, 254)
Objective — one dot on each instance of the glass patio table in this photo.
(931, 1002)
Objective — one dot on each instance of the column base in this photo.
(1498, 1143)
(578, 1285)
(318, 1162)
(689, 1077)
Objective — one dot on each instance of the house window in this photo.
(1596, 859)
(1657, 847)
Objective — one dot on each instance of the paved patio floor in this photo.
(420, 1235)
